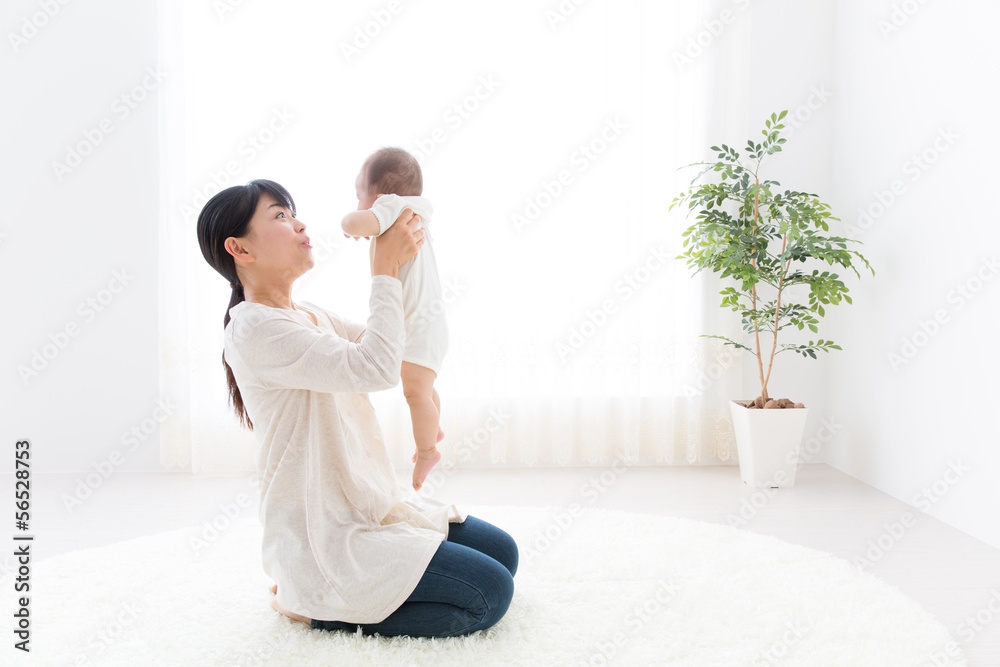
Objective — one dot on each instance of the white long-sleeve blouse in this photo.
(342, 538)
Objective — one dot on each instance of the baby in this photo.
(390, 180)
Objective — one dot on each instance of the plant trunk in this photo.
(753, 296)
(777, 311)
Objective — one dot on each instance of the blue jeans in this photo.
(467, 586)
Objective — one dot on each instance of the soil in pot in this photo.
(771, 404)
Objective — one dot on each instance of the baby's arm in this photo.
(360, 223)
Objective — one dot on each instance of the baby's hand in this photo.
(346, 235)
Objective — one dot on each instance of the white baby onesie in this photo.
(423, 307)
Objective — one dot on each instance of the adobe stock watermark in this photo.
(370, 30)
(228, 512)
(750, 506)
(624, 288)
(562, 521)
(223, 8)
(429, 312)
(638, 617)
(800, 115)
(245, 323)
(253, 656)
(248, 149)
(899, 16)
(130, 439)
(924, 500)
(88, 310)
(465, 450)
(121, 108)
(973, 625)
(915, 167)
(325, 247)
(32, 25)
(110, 633)
(455, 116)
(582, 157)
(778, 650)
(561, 12)
(712, 29)
(946, 657)
(957, 298)
(213, 528)
(707, 376)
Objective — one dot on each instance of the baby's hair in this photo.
(392, 170)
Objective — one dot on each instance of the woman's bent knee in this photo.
(487, 538)
(510, 562)
(505, 550)
(497, 596)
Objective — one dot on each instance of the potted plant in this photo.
(749, 231)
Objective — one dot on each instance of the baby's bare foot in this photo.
(426, 459)
(413, 459)
(277, 608)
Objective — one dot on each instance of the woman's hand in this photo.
(398, 244)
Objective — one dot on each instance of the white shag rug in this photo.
(594, 587)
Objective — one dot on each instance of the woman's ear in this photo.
(235, 249)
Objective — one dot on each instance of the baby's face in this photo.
(365, 200)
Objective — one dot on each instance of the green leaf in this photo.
(728, 239)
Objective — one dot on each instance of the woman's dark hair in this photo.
(227, 214)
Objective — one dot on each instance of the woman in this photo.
(347, 545)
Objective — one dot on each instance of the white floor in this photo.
(953, 575)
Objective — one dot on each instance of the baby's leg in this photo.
(440, 435)
(418, 388)
(437, 404)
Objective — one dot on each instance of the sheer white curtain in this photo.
(550, 146)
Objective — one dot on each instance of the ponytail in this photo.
(235, 398)
(227, 214)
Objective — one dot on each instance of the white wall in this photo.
(910, 84)
(895, 78)
(66, 238)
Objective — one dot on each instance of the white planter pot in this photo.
(768, 444)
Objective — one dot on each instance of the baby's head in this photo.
(388, 171)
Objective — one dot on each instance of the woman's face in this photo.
(276, 248)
